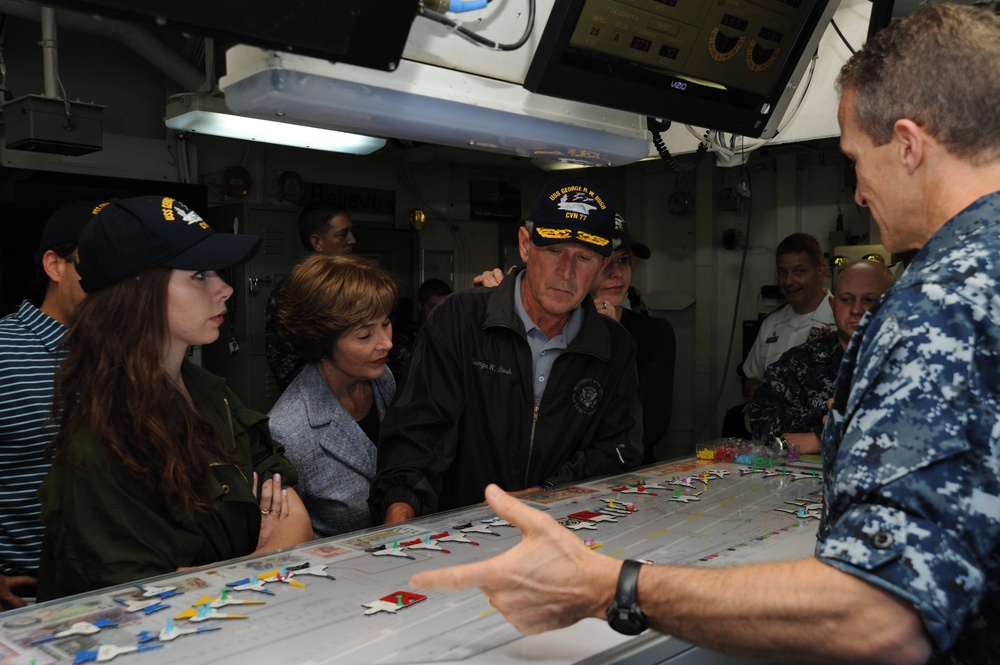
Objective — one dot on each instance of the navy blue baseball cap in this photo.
(129, 236)
(574, 209)
(625, 240)
(65, 224)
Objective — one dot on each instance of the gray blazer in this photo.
(334, 458)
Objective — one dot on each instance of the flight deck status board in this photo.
(345, 600)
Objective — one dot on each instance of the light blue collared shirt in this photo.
(544, 351)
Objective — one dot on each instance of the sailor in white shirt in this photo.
(807, 314)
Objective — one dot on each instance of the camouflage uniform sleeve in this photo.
(913, 489)
(792, 397)
(773, 404)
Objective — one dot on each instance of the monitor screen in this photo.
(729, 65)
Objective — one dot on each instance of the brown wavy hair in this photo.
(326, 296)
(113, 382)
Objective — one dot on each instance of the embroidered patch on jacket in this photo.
(587, 396)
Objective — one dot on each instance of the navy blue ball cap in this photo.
(129, 236)
(625, 240)
(574, 209)
(65, 224)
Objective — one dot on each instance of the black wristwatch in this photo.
(625, 615)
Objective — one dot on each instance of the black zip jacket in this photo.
(466, 415)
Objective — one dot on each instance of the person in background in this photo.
(525, 383)
(907, 561)
(335, 313)
(805, 316)
(429, 294)
(324, 228)
(655, 342)
(29, 354)
(157, 465)
(792, 400)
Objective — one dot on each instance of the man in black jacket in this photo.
(525, 384)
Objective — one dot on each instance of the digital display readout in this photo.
(734, 22)
(770, 35)
(641, 44)
(669, 52)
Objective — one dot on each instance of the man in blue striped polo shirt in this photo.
(29, 353)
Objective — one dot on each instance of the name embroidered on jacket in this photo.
(491, 367)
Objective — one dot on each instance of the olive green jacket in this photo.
(103, 528)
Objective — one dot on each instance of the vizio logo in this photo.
(678, 85)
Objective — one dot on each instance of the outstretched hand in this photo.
(549, 580)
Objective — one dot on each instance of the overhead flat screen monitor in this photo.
(357, 32)
(722, 64)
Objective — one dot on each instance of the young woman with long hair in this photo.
(157, 465)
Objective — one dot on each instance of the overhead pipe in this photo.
(50, 53)
(210, 84)
(140, 40)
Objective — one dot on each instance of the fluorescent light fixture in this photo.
(421, 102)
(559, 166)
(201, 114)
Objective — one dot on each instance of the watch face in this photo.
(628, 621)
(625, 615)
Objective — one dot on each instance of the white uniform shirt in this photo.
(782, 330)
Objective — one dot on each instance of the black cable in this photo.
(478, 39)
(736, 310)
(842, 37)
(655, 128)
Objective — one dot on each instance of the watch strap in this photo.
(624, 615)
(628, 582)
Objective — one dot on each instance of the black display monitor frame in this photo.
(561, 69)
(356, 32)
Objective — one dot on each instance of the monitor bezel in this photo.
(559, 70)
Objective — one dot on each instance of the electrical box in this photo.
(56, 126)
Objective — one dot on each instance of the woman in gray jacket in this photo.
(335, 312)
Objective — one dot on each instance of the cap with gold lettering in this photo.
(129, 236)
(573, 209)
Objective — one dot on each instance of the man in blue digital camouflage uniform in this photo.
(907, 566)
(791, 401)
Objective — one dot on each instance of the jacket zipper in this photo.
(531, 445)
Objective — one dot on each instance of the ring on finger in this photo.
(265, 512)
